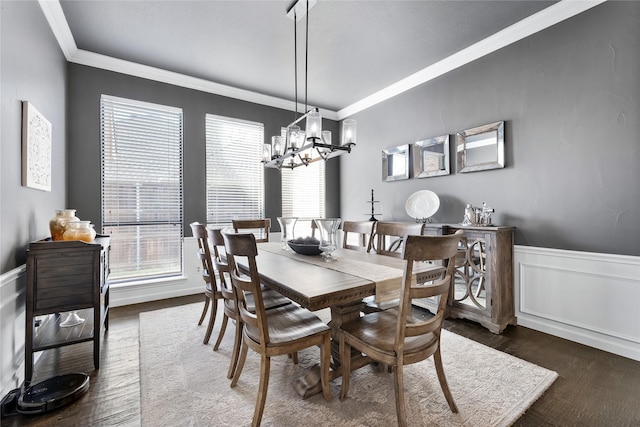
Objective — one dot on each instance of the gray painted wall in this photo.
(33, 69)
(569, 96)
(86, 84)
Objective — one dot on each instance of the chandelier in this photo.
(300, 147)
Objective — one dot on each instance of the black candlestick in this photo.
(373, 202)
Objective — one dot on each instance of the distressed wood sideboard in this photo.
(66, 276)
(483, 287)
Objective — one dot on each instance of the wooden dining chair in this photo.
(364, 232)
(274, 332)
(396, 233)
(271, 299)
(260, 227)
(212, 292)
(396, 338)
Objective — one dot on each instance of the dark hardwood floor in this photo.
(594, 388)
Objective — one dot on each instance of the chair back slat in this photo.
(439, 288)
(260, 227)
(398, 231)
(364, 231)
(436, 249)
(243, 245)
(431, 289)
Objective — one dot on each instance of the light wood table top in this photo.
(312, 286)
(316, 284)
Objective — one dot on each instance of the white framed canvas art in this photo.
(36, 148)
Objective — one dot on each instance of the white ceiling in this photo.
(358, 50)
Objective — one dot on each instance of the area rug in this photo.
(184, 383)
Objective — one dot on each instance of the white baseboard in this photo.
(153, 290)
(588, 298)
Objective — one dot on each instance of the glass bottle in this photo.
(469, 215)
(80, 230)
(59, 224)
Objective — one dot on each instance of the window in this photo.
(142, 187)
(235, 173)
(303, 194)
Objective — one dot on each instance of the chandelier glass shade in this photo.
(303, 146)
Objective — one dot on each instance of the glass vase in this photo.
(287, 226)
(328, 228)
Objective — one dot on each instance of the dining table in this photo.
(340, 285)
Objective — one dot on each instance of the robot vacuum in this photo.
(45, 396)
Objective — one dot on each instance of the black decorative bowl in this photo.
(305, 248)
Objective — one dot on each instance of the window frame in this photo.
(156, 249)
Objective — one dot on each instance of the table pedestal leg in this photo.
(309, 383)
(341, 315)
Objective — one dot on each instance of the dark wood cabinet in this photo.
(66, 276)
(483, 287)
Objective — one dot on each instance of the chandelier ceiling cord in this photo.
(306, 57)
(295, 63)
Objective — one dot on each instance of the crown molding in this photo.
(552, 15)
(91, 59)
(60, 27)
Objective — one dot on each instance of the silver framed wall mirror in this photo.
(480, 148)
(431, 157)
(395, 163)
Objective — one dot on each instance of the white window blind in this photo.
(142, 187)
(303, 194)
(235, 173)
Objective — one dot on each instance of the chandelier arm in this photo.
(303, 160)
(322, 154)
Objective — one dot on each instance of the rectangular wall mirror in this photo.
(395, 163)
(431, 157)
(480, 148)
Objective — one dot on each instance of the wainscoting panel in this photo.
(585, 297)
(12, 333)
